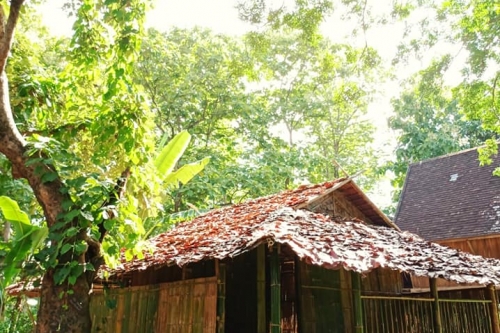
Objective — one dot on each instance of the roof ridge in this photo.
(444, 156)
(464, 151)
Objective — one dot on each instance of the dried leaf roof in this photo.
(318, 239)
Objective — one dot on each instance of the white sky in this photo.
(222, 17)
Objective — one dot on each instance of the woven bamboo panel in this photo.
(187, 306)
(127, 310)
(321, 308)
(179, 307)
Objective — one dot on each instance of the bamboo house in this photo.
(318, 259)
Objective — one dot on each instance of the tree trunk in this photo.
(63, 308)
(63, 311)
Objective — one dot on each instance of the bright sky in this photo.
(222, 17)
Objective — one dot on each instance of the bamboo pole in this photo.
(261, 289)
(346, 299)
(275, 289)
(435, 306)
(220, 272)
(492, 293)
(357, 302)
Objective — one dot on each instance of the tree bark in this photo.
(60, 310)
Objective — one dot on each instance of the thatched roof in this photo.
(315, 238)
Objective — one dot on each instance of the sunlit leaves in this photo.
(470, 25)
(27, 238)
(171, 153)
(429, 121)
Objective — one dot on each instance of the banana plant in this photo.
(165, 162)
(168, 157)
(27, 238)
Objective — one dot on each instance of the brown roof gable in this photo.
(450, 197)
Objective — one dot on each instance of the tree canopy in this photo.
(86, 170)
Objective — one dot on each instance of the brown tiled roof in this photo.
(450, 197)
(315, 238)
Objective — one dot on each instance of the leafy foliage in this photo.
(473, 26)
(234, 96)
(429, 122)
(27, 238)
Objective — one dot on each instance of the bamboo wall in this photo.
(124, 310)
(162, 274)
(382, 282)
(184, 306)
(241, 293)
(320, 300)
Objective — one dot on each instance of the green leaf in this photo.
(171, 153)
(61, 274)
(108, 224)
(65, 248)
(11, 211)
(87, 215)
(71, 232)
(80, 247)
(186, 172)
(49, 176)
(27, 238)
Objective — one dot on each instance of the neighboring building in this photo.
(318, 259)
(453, 201)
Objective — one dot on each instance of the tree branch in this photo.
(94, 254)
(7, 32)
(115, 196)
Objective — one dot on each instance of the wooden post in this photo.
(357, 302)
(220, 272)
(436, 311)
(261, 289)
(492, 293)
(275, 289)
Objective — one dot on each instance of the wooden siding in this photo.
(488, 247)
(183, 306)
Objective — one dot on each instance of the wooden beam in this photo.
(471, 248)
(492, 295)
(275, 289)
(448, 240)
(357, 302)
(436, 311)
(261, 289)
(220, 272)
(319, 197)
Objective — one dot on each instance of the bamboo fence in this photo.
(415, 315)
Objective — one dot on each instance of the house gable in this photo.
(451, 197)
